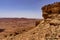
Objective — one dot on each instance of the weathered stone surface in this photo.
(51, 10)
(51, 14)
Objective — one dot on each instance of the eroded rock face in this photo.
(51, 25)
(51, 10)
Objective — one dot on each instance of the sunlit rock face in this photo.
(51, 10)
(51, 24)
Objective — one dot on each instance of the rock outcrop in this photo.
(51, 10)
(50, 27)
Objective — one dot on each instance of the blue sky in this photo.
(23, 8)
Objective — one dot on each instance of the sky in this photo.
(23, 8)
